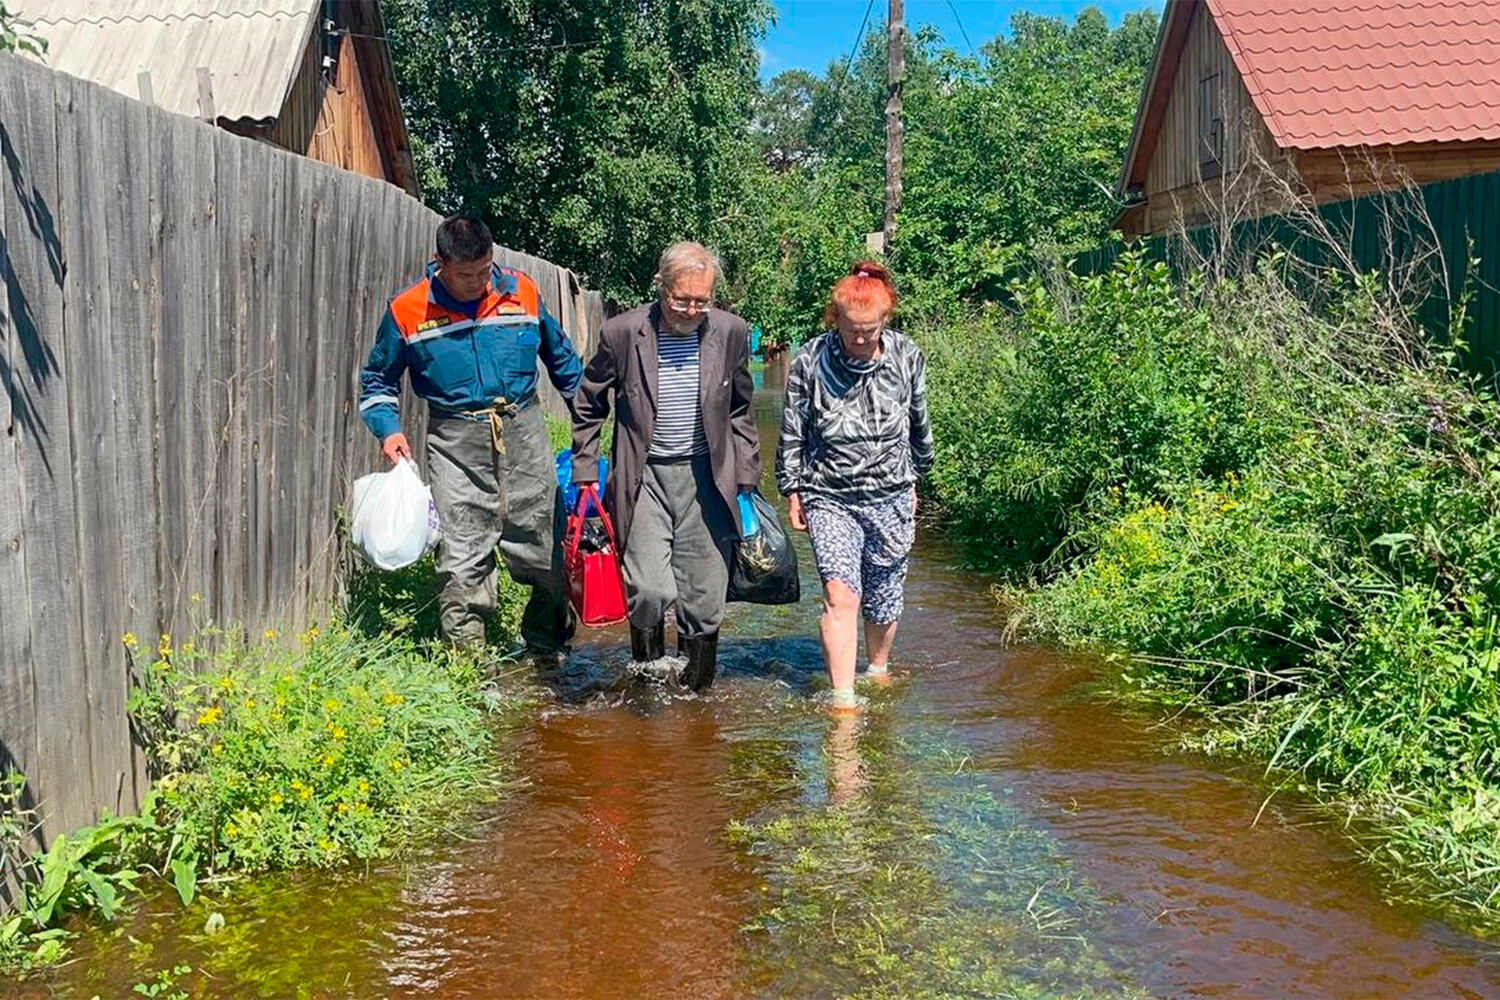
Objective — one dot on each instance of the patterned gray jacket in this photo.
(854, 430)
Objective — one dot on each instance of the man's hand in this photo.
(794, 512)
(395, 448)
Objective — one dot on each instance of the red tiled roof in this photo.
(1330, 73)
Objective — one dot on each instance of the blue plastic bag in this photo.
(749, 523)
(570, 490)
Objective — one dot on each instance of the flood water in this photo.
(985, 824)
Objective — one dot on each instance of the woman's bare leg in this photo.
(879, 637)
(838, 628)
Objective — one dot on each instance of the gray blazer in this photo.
(626, 362)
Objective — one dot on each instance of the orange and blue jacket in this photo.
(463, 356)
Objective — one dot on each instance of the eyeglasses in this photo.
(683, 305)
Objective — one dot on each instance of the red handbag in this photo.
(594, 583)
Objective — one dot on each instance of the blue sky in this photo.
(809, 34)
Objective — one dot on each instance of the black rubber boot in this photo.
(702, 661)
(648, 644)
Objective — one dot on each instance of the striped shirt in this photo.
(679, 414)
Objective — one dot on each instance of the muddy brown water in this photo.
(610, 875)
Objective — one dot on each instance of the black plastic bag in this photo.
(764, 569)
(593, 538)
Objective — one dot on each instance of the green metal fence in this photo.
(1420, 240)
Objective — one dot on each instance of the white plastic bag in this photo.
(395, 522)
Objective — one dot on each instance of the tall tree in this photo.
(1009, 152)
(782, 123)
(591, 132)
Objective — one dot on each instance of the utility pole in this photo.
(895, 78)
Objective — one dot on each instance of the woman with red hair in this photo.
(854, 439)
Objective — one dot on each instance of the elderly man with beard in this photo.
(684, 445)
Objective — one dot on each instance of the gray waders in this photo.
(681, 539)
(495, 486)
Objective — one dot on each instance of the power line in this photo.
(960, 22)
(839, 89)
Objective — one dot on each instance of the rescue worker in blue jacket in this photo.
(470, 334)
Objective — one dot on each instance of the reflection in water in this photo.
(982, 824)
(845, 770)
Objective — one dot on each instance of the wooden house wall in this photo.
(1174, 161)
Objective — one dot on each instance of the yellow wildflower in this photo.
(306, 793)
(249, 702)
(325, 843)
(331, 705)
(397, 764)
(130, 640)
(337, 731)
(392, 698)
(276, 799)
(328, 759)
(343, 808)
(231, 830)
(196, 598)
(209, 716)
(364, 787)
(376, 721)
(164, 647)
(270, 634)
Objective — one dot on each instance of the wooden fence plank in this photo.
(290, 291)
(46, 468)
(262, 181)
(88, 320)
(326, 264)
(201, 321)
(183, 187)
(227, 401)
(337, 398)
(311, 297)
(126, 221)
(18, 724)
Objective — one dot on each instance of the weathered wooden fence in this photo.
(183, 320)
(1435, 227)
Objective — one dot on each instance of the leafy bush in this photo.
(1290, 516)
(1100, 386)
(318, 753)
(340, 746)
